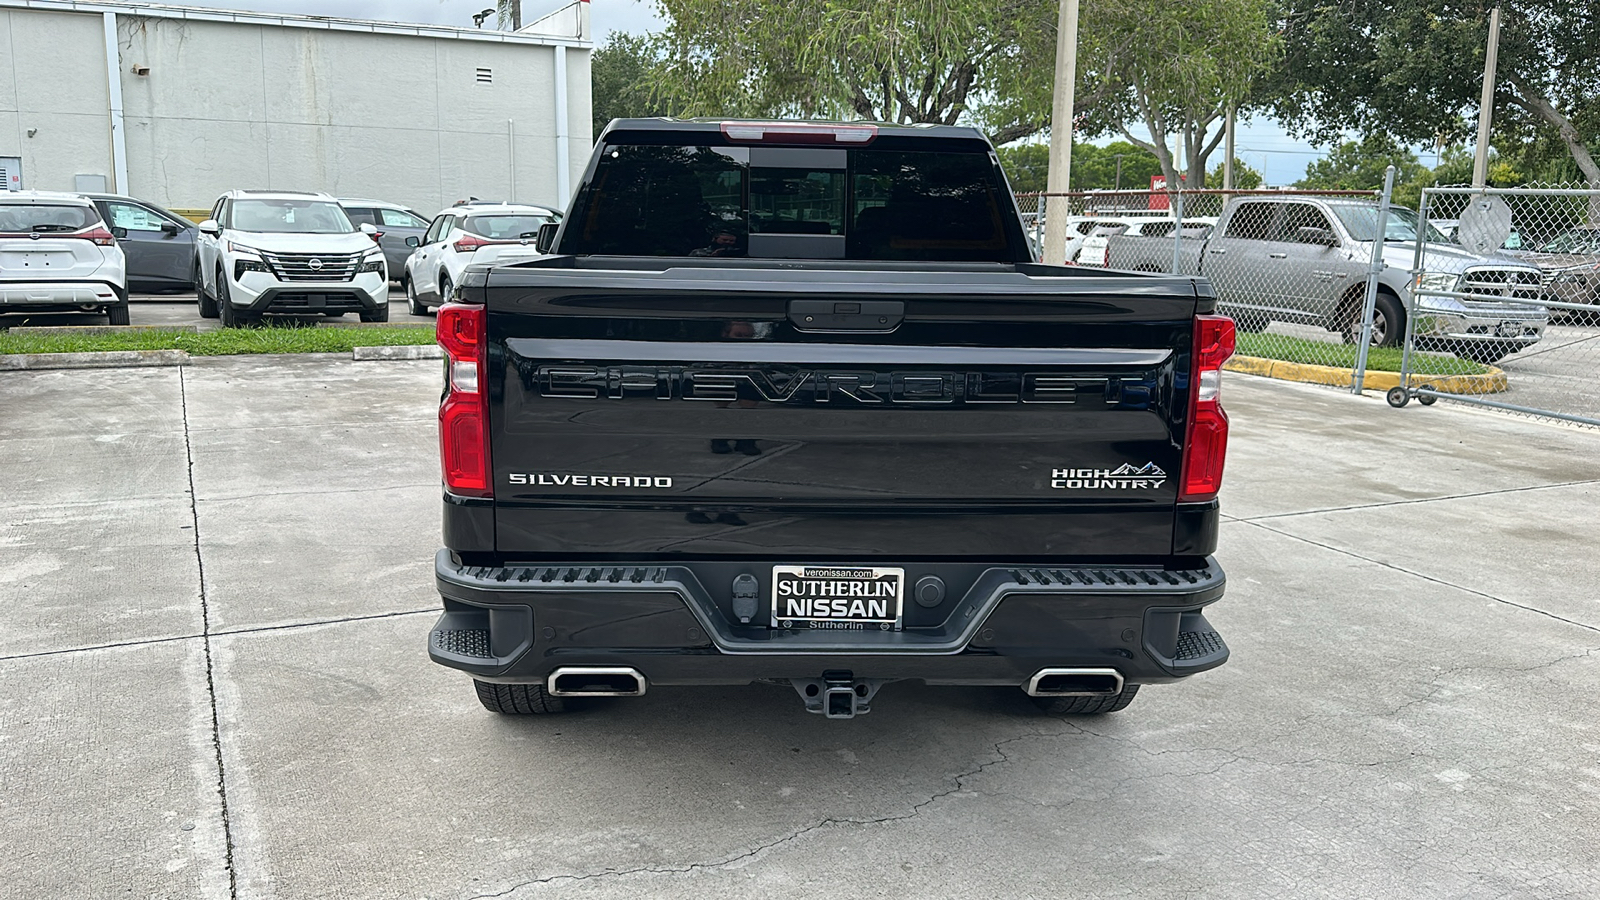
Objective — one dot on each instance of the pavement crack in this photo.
(958, 785)
(1425, 577)
(1412, 501)
(223, 632)
(324, 492)
(205, 631)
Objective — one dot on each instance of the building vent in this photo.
(485, 75)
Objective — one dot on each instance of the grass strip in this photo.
(225, 342)
(1325, 353)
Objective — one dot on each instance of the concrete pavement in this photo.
(215, 683)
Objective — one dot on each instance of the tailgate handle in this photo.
(847, 315)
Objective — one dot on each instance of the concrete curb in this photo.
(106, 359)
(101, 329)
(337, 323)
(409, 351)
(1491, 382)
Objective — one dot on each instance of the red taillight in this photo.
(375, 235)
(99, 235)
(470, 242)
(1207, 444)
(464, 414)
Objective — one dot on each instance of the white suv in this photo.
(57, 255)
(467, 234)
(287, 252)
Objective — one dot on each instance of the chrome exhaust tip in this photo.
(1074, 683)
(595, 681)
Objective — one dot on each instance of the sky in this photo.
(1262, 144)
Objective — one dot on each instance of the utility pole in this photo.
(1117, 185)
(1480, 161)
(1227, 149)
(1060, 177)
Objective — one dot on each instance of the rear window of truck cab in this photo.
(795, 203)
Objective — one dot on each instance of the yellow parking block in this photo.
(1490, 382)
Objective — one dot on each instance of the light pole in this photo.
(1480, 160)
(1060, 177)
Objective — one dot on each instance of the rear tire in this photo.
(518, 699)
(207, 303)
(445, 287)
(1086, 706)
(414, 304)
(118, 315)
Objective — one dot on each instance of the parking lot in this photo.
(215, 682)
(180, 310)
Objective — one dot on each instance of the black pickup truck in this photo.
(790, 402)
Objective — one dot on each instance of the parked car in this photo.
(394, 222)
(1095, 249)
(464, 234)
(159, 243)
(1570, 262)
(287, 252)
(58, 255)
(1306, 259)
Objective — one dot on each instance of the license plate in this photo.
(837, 597)
(1510, 329)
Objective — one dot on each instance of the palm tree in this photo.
(510, 11)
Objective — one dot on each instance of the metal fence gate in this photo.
(1505, 311)
(1295, 269)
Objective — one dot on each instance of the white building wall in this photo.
(243, 104)
(54, 96)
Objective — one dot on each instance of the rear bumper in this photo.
(36, 294)
(518, 624)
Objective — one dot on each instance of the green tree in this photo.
(1245, 178)
(1414, 69)
(907, 61)
(1175, 70)
(1455, 168)
(623, 74)
(1027, 166)
(1093, 168)
(1360, 166)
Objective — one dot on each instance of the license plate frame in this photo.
(1509, 329)
(799, 593)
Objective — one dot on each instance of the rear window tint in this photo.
(505, 227)
(655, 200)
(21, 218)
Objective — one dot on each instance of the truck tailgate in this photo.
(1001, 416)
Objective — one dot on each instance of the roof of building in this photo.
(285, 20)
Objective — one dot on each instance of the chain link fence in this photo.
(1506, 307)
(1293, 268)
